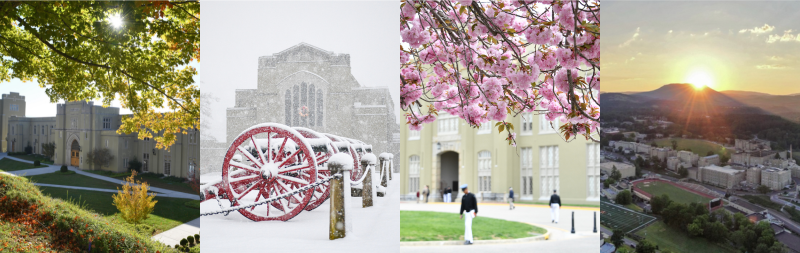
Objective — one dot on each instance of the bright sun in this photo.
(115, 20)
(700, 79)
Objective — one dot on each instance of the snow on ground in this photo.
(376, 228)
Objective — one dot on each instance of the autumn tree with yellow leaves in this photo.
(135, 51)
(133, 201)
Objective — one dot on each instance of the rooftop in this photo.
(726, 169)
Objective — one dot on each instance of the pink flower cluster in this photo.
(477, 63)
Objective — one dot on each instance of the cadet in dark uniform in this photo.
(555, 205)
(469, 205)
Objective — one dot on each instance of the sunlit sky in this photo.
(747, 46)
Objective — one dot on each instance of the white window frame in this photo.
(413, 173)
(593, 171)
(548, 171)
(413, 134)
(485, 171)
(527, 123)
(545, 127)
(485, 128)
(448, 124)
(526, 173)
(14, 107)
(106, 122)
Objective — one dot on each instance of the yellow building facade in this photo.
(448, 153)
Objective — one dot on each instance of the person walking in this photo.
(555, 205)
(447, 192)
(427, 194)
(511, 198)
(469, 205)
(417, 197)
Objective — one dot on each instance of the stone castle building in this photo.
(80, 127)
(448, 153)
(11, 105)
(305, 86)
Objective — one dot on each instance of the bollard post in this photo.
(391, 166)
(368, 163)
(595, 223)
(383, 164)
(339, 225)
(573, 222)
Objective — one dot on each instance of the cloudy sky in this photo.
(235, 34)
(749, 46)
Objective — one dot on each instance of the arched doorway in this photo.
(449, 171)
(75, 154)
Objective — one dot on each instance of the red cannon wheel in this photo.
(265, 161)
(321, 192)
(355, 174)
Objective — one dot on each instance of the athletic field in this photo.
(676, 194)
(700, 147)
(617, 217)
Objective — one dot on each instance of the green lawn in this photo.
(72, 179)
(12, 165)
(677, 241)
(675, 194)
(700, 147)
(437, 226)
(168, 213)
(152, 179)
(34, 157)
(634, 207)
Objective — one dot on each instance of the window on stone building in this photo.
(125, 163)
(126, 143)
(527, 122)
(303, 106)
(545, 127)
(485, 171)
(485, 128)
(548, 170)
(448, 124)
(287, 108)
(311, 105)
(106, 123)
(14, 107)
(34, 129)
(12, 129)
(145, 158)
(167, 162)
(526, 171)
(413, 135)
(593, 170)
(413, 173)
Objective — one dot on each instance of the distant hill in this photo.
(786, 106)
(684, 92)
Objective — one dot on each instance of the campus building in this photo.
(448, 153)
(775, 178)
(81, 127)
(305, 86)
(724, 177)
(626, 170)
(11, 105)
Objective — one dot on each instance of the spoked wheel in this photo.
(355, 174)
(265, 161)
(323, 149)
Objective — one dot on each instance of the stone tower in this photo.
(11, 105)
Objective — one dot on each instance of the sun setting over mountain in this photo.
(700, 78)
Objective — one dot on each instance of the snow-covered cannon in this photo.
(273, 172)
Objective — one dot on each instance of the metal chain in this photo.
(285, 195)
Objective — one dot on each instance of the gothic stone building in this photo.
(80, 127)
(309, 87)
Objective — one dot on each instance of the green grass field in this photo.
(437, 226)
(700, 147)
(675, 194)
(168, 213)
(677, 241)
(12, 165)
(72, 179)
(34, 157)
(152, 179)
(615, 217)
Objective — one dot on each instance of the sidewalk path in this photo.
(76, 187)
(53, 168)
(561, 240)
(173, 236)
